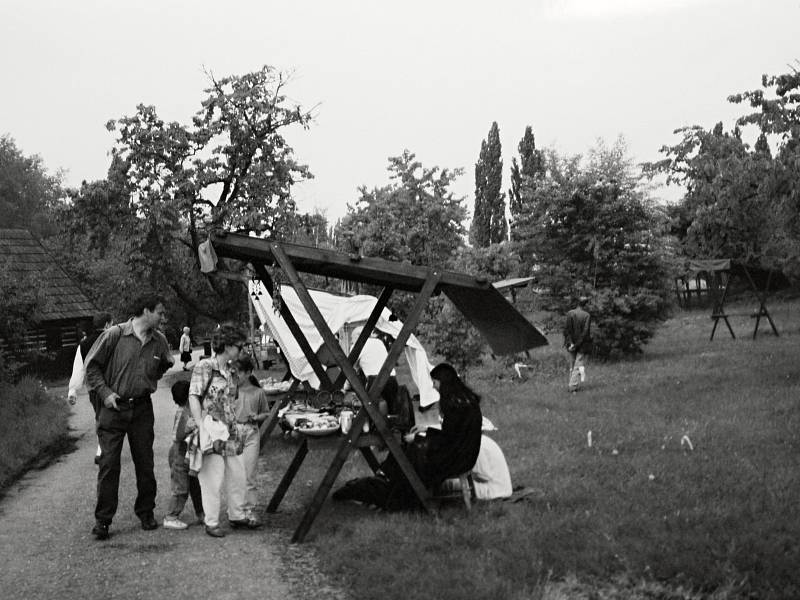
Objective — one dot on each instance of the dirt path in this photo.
(47, 551)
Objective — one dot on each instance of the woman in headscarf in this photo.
(438, 455)
(453, 449)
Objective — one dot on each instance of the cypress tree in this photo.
(530, 166)
(489, 219)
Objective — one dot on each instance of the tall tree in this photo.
(310, 229)
(415, 219)
(28, 192)
(230, 168)
(489, 225)
(777, 114)
(530, 167)
(418, 220)
(727, 211)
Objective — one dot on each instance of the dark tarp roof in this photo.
(24, 254)
(504, 328)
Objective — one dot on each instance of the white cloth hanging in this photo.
(338, 311)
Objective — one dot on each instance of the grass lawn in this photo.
(637, 514)
(33, 429)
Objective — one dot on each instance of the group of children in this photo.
(253, 410)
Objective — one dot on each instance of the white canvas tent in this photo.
(342, 314)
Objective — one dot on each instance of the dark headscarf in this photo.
(452, 391)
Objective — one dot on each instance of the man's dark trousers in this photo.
(134, 419)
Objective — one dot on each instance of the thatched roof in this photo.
(24, 254)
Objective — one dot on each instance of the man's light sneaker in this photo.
(174, 523)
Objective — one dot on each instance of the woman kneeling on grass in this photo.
(436, 456)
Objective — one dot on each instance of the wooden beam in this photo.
(330, 263)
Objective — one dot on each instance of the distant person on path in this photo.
(123, 368)
(183, 485)
(100, 323)
(578, 341)
(185, 348)
(214, 401)
(253, 411)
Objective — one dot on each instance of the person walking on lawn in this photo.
(577, 341)
(124, 367)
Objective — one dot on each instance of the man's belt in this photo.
(132, 400)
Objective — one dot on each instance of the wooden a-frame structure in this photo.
(504, 328)
(718, 273)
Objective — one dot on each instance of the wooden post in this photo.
(287, 478)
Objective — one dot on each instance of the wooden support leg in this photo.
(371, 459)
(771, 324)
(762, 302)
(345, 447)
(729, 327)
(466, 490)
(269, 423)
(287, 478)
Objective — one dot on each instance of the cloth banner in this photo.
(342, 314)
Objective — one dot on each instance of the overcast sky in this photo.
(429, 76)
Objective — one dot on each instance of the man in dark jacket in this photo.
(577, 340)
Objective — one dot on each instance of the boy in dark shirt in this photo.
(182, 484)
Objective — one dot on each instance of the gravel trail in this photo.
(47, 551)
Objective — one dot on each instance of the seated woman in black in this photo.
(453, 449)
(437, 456)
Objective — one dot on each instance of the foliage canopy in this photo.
(590, 231)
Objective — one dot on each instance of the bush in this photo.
(32, 421)
(447, 333)
(622, 323)
(594, 232)
(9, 368)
